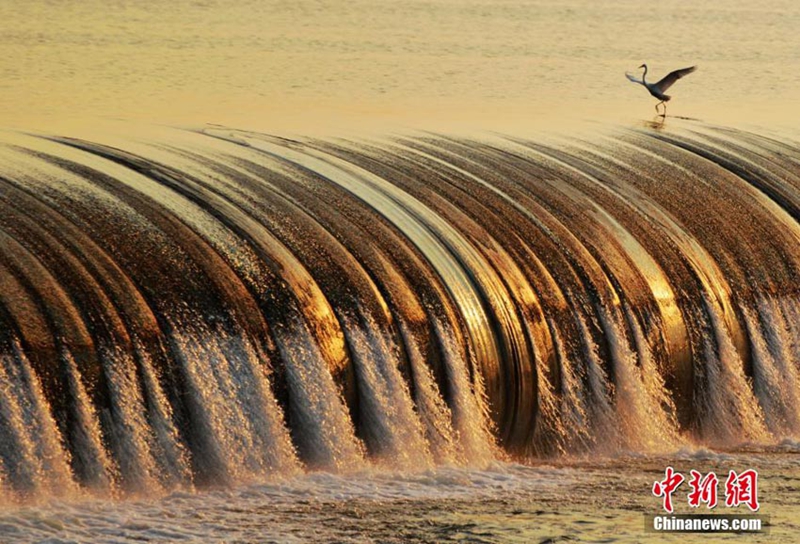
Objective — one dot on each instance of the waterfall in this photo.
(212, 307)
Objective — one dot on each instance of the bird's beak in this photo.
(642, 66)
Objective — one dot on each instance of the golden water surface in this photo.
(332, 64)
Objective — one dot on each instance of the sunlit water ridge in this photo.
(218, 307)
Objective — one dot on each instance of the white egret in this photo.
(658, 89)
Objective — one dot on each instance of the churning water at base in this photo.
(581, 500)
(218, 307)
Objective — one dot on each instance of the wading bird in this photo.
(658, 89)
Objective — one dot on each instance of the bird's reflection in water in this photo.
(658, 122)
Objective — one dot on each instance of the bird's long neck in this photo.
(645, 73)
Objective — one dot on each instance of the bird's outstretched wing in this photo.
(632, 77)
(672, 77)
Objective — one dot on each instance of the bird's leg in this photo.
(665, 109)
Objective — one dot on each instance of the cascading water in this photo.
(219, 306)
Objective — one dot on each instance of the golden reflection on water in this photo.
(334, 65)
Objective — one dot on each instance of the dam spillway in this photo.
(211, 306)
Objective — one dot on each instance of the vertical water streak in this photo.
(323, 430)
(469, 405)
(17, 448)
(573, 427)
(646, 407)
(727, 408)
(130, 432)
(240, 426)
(599, 390)
(95, 467)
(776, 378)
(170, 452)
(42, 427)
(394, 429)
(435, 416)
